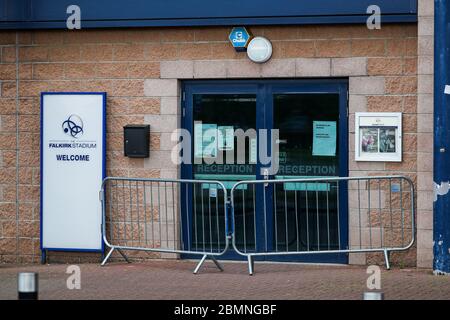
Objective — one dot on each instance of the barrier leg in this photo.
(107, 257)
(200, 264)
(218, 265)
(251, 265)
(386, 258)
(123, 255)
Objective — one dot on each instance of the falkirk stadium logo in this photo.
(73, 126)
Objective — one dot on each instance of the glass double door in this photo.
(237, 130)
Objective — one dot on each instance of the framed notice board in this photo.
(378, 136)
(72, 170)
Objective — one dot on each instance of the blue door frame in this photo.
(264, 89)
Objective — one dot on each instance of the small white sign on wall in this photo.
(447, 89)
(72, 170)
(378, 136)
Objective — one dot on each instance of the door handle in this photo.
(266, 176)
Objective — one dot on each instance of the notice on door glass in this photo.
(205, 140)
(253, 150)
(324, 138)
(226, 137)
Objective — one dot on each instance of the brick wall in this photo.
(141, 69)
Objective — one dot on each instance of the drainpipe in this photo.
(441, 223)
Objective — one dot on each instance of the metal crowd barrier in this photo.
(145, 215)
(268, 217)
(307, 216)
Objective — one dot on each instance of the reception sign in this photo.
(72, 170)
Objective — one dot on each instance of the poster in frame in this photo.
(378, 136)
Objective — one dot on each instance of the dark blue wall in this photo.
(441, 225)
(114, 13)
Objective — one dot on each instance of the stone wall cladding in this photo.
(140, 70)
(425, 135)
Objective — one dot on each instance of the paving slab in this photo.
(173, 280)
